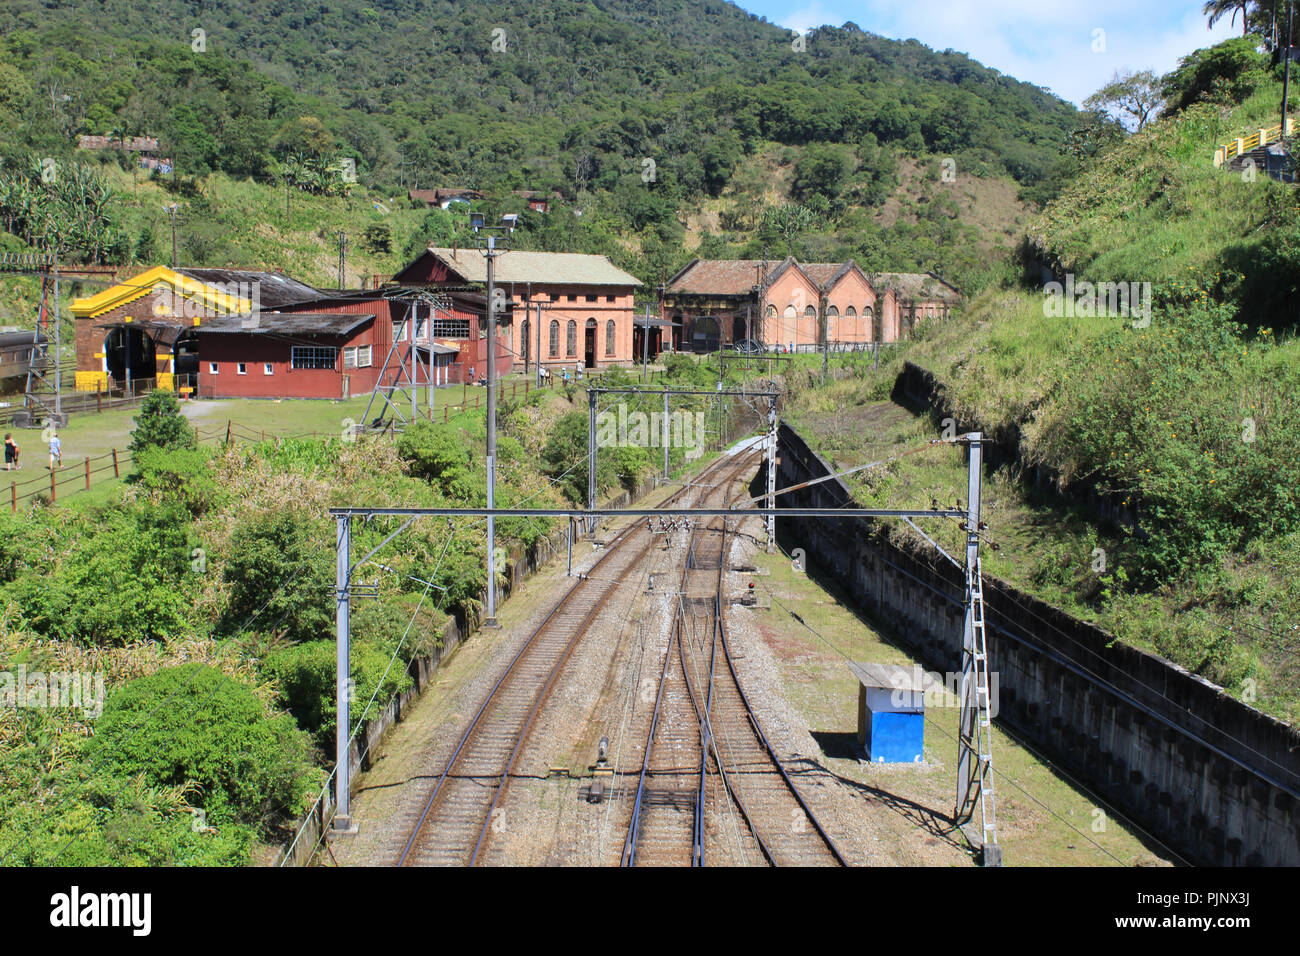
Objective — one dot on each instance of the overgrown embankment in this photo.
(1187, 423)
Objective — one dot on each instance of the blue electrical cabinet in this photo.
(891, 712)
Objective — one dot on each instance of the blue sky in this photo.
(1047, 42)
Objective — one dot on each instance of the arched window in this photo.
(609, 337)
(832, 323)
(572, 339)
(850, 313)
(771, 310)
(555, 338)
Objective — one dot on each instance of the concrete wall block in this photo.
(1117, 747)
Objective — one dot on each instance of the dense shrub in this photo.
(437, 453)
(177, 475)
(280, 568)
(1230, 70)
(1194, 427)
(124, 574)
(193, 724)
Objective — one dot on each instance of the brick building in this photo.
(714, 302)
(228, 333)
(585, 301)
(145, 329)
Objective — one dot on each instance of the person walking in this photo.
(11, 453)
(56, 451)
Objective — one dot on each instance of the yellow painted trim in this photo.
(165, 381)
(143, 284)
(91, 381)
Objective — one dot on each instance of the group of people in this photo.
(11, 452)
(545, 372)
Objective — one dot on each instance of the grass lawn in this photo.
(1044, 819)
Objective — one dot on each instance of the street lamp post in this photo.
(478, 223)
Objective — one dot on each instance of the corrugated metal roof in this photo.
(274, 288)
(19, 338)
(891, 676)
(286, 323)
(570, 268)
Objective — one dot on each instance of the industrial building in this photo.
(713, 302)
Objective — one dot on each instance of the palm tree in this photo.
(1215, 10)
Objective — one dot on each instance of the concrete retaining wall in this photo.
(1213, 778)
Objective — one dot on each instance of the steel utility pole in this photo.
(58, 350)
(771, 472)
(975, 732)
(645, 344)
(1286, 74)
(412, 319)
(491, 428)
(171, 211)
(826, 336)
(591, 458)
(343, 690)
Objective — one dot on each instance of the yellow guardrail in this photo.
(1244, 144)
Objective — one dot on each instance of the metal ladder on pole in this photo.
(975, 726)
(982, 744)
(38, 396)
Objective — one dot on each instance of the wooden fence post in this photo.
(99, 402)
(13, 495)
(444, 414)
(87, 472)
(54, 490)
(116, 473)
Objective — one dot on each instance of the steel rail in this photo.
(632, 839)
(611, 548)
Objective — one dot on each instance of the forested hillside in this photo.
(639, 115)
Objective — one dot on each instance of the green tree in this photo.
(160, 424)
(280, 569)
(822, 170)
(1135, 96)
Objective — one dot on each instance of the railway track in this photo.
(459, 815)
(711, 785)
